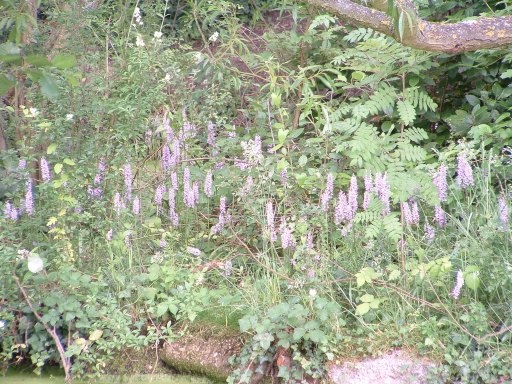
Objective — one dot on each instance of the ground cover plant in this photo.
(322, 188)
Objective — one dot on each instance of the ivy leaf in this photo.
(406, 111)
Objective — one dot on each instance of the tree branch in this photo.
(453, 38)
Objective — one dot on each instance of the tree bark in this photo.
(464, 36)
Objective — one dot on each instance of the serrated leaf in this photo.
(394, 275)
(51, 148)
(317, 336)
(64, 61)
(406, 112)
(161, 309)
(298, 333)
(362, 309)
(245, 324)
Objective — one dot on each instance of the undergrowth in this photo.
(320, 195)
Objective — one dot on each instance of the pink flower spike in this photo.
(464, 172)
(459, 283)
(45, 170)
(440, 183)
(29, 199)
(326, 196)
(208, 184)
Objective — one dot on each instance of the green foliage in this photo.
(301, 335)
(268, 117)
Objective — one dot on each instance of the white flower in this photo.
(137, 16)
(2, 324)
(33, 112)
(167, 77)
(312, 292)
(139, 42)
(158, 35)
(35, 263)
(69, 116)
(214, 37)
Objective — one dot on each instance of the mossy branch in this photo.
(464, 36)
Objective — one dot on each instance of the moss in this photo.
(204, 350)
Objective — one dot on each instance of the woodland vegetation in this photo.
(331, 178)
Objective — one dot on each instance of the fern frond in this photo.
(406, 112)
(416, 135)
(382, 100)
(360, 34)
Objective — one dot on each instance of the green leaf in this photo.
(49, 86)
(282, 134)
(406, 111)
(161, 309)
(64, 61)
(149, 293)
(367, 298)
(317, 336)
(362, 309)
(95, 335)
(394, 275)
(69, 161)
(5, 84)
(358, 75)
(10, 53)
(401, 25)
(507, 74)
(298, 333)
(471, 277)
(58, 168)
(366, 275)
(37, 60)
(245, 323)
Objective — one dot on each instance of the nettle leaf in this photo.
(406, 111)
(298, 333)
